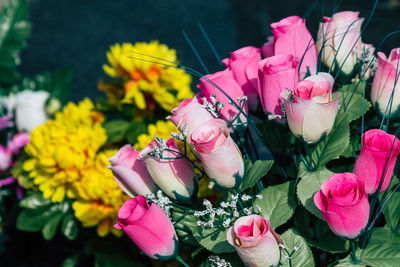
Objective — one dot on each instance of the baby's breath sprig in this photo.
(214, 107)
(216, 261)
(161, 200)
(237, 120)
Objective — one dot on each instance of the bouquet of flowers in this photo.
(284, 158)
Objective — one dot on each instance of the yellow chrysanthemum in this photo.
(162, 129)
(144, 81)
(62, 148)
(98, 196)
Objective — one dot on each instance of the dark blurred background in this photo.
(78, 33)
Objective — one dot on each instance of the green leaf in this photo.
(294, 243)
(277, 203)
(392, 209)
(309, 184)
(213, 239)
(383, 249)
(317, 233)
(50, 228)
(347, 263)
(71, 261)
(34, 201)
(35, 220)
(254, 172)
(61, 81)
(69, 227)
(135, 129)
(14, 32)
(116, 129)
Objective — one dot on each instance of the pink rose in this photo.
(255, 241)
(311, 111)
(19, 140)
(276, 74)
(340, 36)
(191, 113)
(385, 82)
(344, 204)
(225, 81)
(5, 121)
(219, 155)
(149, 227)
(378, 147)
(172, 173)
(130, 173)
(244, 65)
(5, 158)
(291, 37)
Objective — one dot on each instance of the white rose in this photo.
(30, 110)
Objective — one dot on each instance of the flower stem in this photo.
(353, 256)
(182, 261)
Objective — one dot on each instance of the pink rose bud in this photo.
(385, 84)
(5, 158)
(268, 49)
(172, 173)
(244, 65)
(340, 36)
(19, 140)
(378, 147)
(130, 173)
(255, 241)
(225, 81)
(191, 113)
(149, 228)
(276, 74)
(310, 110)
(219, 155)
(293, 38)
(344, 204)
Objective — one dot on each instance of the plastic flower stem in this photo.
(353, 257)
(182, 261)
(182, 229)
(180, 217)
(195, 51)
(363, 115)
(289, 256)
(210, 44)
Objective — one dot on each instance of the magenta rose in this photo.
(311, 111)
(276, 74)
(225, 81)
(344, 204)
(385, 83)
(244, 65)
(378, 147)
(149, 228)
(339, 41)
(291, 37)
(173, 174)
(219, 155)
(191, 113)
(130, 173)
(255, 241)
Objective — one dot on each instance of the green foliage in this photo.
(317, 233)
(116, 130)
(392, 209)
(213, 239)
(134, 130)
(301, 254)
(14, 32)
(254, 172)
(39, 214)
(309, 184)
(277, 203)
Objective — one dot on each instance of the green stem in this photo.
(182, 261)
(353, 256)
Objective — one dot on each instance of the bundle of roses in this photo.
(300, 164)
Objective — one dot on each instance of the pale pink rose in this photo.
(225, 81)
(378, 147)
(219, 155)
(149, 228)
(19, 140)
(255, 241)
(130, 173)
(276, 74)
(344, 204)
(191, 113)
(173, 174)
(384, 84)
(340, 36)
(310, 110)
(293, 38)
(244, 65)
(5, 158)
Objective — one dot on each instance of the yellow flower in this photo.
(98, 196)
(161, 129)
(144, 81)
(60, 149)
